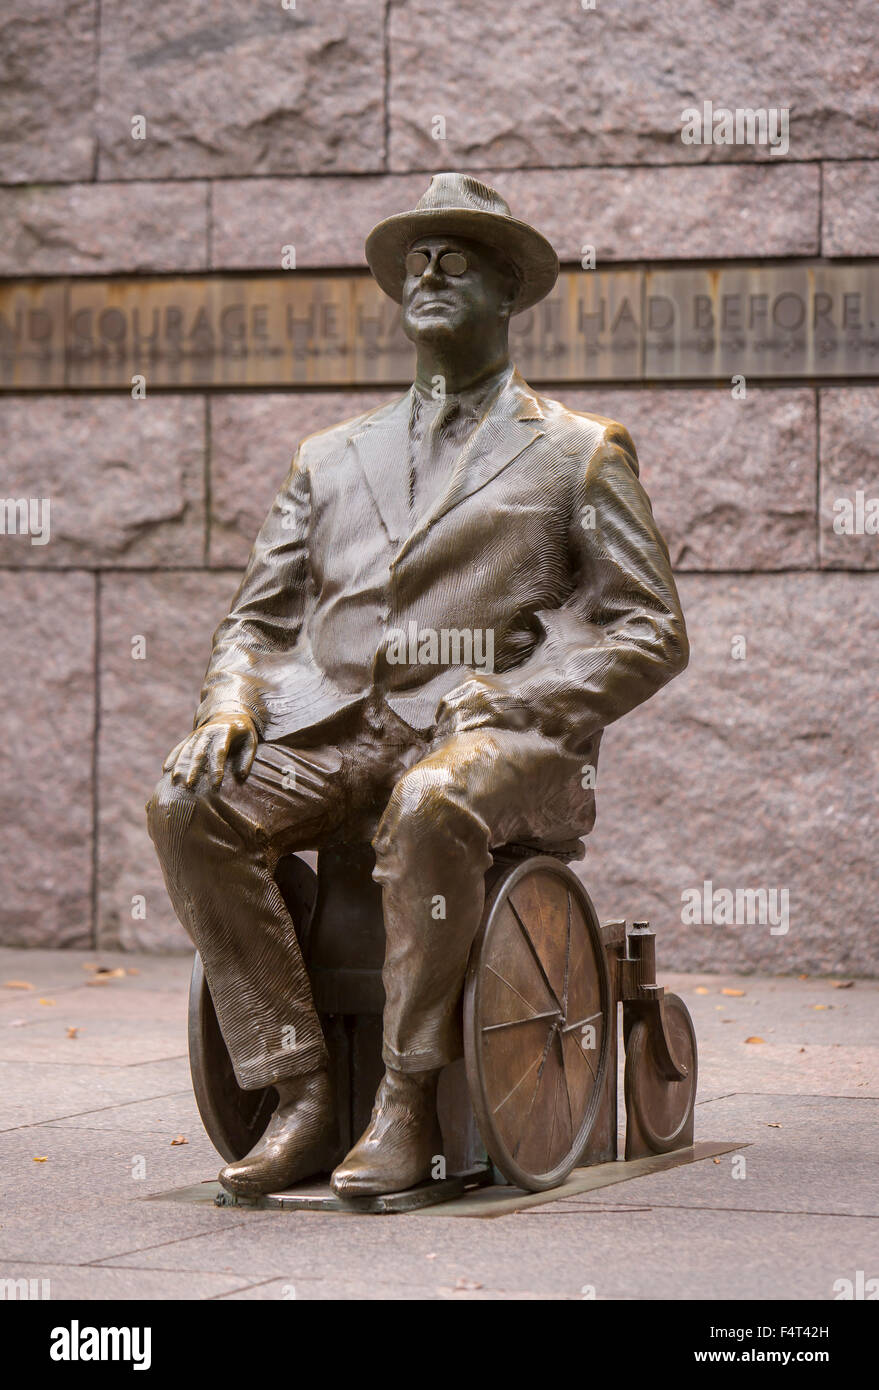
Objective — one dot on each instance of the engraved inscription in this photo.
(684, 323)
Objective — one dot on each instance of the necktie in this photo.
(433, 456)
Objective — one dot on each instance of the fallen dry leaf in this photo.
(802, 1049)
(73, 1032)
(700, 989)
(843, 984)
(755, 1040)
(181, 1139)
(802, 977)
(773, 1124)
(822, 1006)
(715, 1160)
(44, 1159)
(47, 1001)
(108, 974)
(131, 970)
(17, 984)
(463, 1283)
(736, 993)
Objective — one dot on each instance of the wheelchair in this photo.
(536, 1093)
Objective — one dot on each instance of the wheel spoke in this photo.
(581, 1022)
(567, 955)
(500, 1105)
(555, 1098)
(567, 1087)
(537, 961)
(581, 1084)
(584, 967)
(524, 1127)
(581, 1053)
(519, 995)
(517, 1022)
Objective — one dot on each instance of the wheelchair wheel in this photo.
(538, 1017)
(660, 1104)
(236, 1119)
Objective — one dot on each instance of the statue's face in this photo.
(454, 288)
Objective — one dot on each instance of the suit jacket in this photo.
(544, 536)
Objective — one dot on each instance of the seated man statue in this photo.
(452, 595)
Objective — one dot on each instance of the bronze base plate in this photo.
(464, 1194)
(318, 1196)
(501, 1201)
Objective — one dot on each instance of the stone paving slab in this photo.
(170, 1114)
(108, 1041)
(83, 1228)
(622, 1253)
(34, 1093)
(318, 1290)
(805, 1214)
(800, 1154)
(817, 1039)
(59, 1164)
(51, 971)
(85, 1282)
(131, 1020)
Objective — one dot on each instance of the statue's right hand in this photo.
(226, 738)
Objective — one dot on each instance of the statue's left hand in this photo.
(224, 738)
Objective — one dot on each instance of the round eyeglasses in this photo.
(450, 263)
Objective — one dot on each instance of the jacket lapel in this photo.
(509, 426)
(381, 445)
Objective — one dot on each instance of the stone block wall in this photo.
(267, 125)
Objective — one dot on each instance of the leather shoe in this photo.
(399, 1145)
(301, 1139)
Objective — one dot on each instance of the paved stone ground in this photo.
(87, 1124)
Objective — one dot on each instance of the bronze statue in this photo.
(451, 597)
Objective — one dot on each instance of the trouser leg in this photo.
(218, 849)
(479, 789)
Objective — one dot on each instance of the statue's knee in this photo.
(416, 802)
(424, 811)
(173, 812)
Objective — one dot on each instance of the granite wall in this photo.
(268, 124)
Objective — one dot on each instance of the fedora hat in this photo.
(460, 205)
